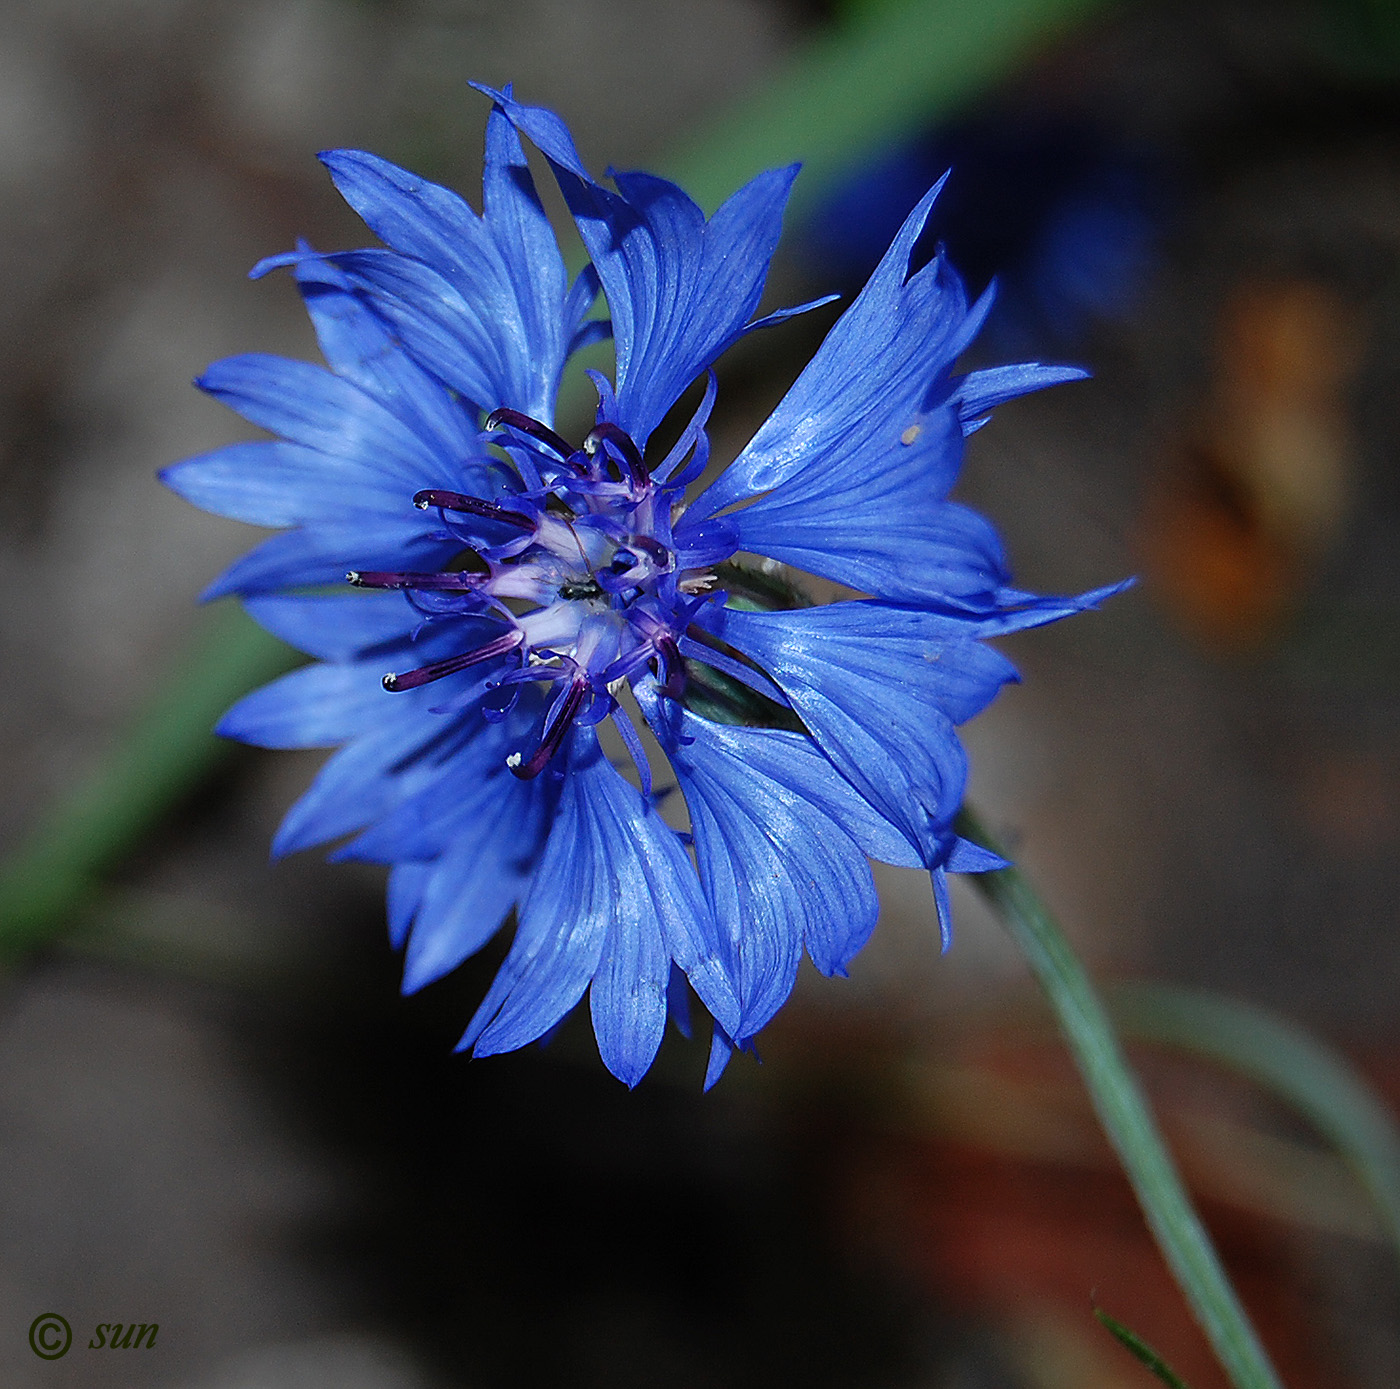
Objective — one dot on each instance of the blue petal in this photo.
(495, 837)
(400, 748)
(473, 793)
(505, 268)
(530, 254)
(680, 290)
(307, 405)
(338, 628)
(469, 894)
(613, 900)
(271, 483)
(406, 882)
(324, 553)
(777, 864)
(678, 1001)
(880, 689)
(967, 857)
(456, 338)
(870, 380)
(721, 1049)
(411, 214)
(979, 392)
(924, 661)
(884, 530)
(318, 706)
(1016, 611)
(361, 782)
(358, 347)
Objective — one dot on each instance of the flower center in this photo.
(576, 572)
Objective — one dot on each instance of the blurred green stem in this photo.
(889, 69)
(163, 756)
(1126, 1119)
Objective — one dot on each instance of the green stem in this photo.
(1127, 1120)
(165, 754)
(885, 70)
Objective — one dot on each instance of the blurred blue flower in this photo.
(1066, 215)
(525, 590)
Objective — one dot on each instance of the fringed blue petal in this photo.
(869, 381)
(721, 1049)
(335, 628)
(318, 706)
(967, 857)
(979, 392)
(405, 891)
(454, 337)
(358, 347)
(887, 532)
(472, 793)
(506, 312)
(274, 483)
(680, 289)
(880, 688)
(361, 782)
(326, 552)
(1016, 612)
(613, 901)
(779, 869)
(308, 405)
(491, 844)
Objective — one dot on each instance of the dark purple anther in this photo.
(473, 506)
(672, 667)
(621, 440)
(433, 583)
(425, 675)
(659, 555)
(526, 424)
(564, 713)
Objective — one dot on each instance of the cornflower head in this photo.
(517, 584)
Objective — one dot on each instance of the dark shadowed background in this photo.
(215, 1111)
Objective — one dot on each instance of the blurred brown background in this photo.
(215, 1112)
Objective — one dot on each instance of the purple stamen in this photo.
(439, 583)
(671, 666)
(560, 720)
(424, 675)
(473, 506)
(621, 440)
(527, 424)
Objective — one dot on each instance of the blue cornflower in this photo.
(521, 584)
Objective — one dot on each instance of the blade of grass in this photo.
(1284, 1059)
(1127, 1121)
(1140, 1350)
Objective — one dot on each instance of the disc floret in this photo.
(592, 575)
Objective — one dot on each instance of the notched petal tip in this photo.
(967, 857)
(721, 1049)
(281, 261)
